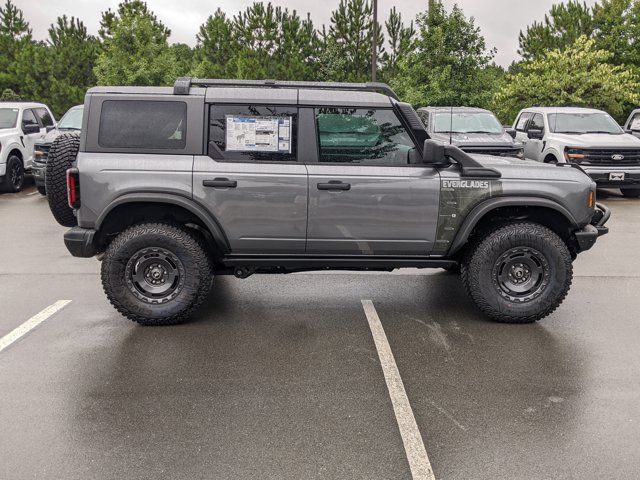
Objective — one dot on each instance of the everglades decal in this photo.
(457, 199)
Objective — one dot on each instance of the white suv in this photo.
(587, 137)
(22, 124)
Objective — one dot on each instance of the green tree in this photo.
(9, 95)
(15, 35)
(400, 43)
(135, 48)
(450, 62)
(351, 33)
(580, 75)
(215, 51)
(561, 27)
(70, 60)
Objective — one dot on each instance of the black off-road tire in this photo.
(14, 175)
(193, 283)
(42, 190)
(630, 192)
(481, 269)
(62, 154)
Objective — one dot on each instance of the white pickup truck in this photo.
(22, 124)
(587, 137)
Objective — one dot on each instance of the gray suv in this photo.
(171, 186)
(474, 130)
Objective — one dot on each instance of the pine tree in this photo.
(15, 35)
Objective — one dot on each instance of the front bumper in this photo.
(39, 171)
(602, 176)
(587, 236)
(80, 242)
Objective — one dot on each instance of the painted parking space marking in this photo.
(33, 322)
(411, 438)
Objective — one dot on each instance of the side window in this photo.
(369, 136)
(522, 121)
(635, 123)
(143, 124)
(537, 122)
(424, 116)
(28, 118)
(45, 117)
(253, 133)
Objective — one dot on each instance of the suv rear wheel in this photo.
(518, 273)
(156, 274)
(63, 153)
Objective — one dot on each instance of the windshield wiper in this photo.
(604, 131)
(570, 132)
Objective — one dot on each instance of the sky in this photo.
(499, 20)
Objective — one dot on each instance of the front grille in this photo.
(604, 157)
(497, 152)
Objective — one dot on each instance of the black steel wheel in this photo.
(517, 273)
(157, 274)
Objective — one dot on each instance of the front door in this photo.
(29, 140)
(252, 180)
(534, 146)
(367, 196)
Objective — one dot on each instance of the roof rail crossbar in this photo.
(182, 85)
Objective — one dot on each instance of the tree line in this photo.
(577, 55)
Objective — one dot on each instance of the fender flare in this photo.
(208, 220)
(15, 146)
(552, 151)
(480, 210)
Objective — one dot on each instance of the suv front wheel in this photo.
(518, 273)
(156, 274)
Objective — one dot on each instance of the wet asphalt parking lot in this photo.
(279, 376)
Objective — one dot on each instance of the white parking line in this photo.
(413, 444)
(30, 324)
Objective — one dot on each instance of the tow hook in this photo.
(243, 272)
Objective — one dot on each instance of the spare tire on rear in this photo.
(62, 154)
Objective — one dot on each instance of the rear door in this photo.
(253, 179)
(367, 196)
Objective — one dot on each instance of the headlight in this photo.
(572, 154)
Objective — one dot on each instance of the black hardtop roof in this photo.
(183, 85)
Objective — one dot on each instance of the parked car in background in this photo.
(22, 124)
(70, 122)
(586, 137)
(632, 125)
(474, 130)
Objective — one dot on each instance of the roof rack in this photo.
(183, 84)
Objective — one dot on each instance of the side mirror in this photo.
(628, 130)
(535, 133)
(511, 132)
(51, 127)
(433, 153)
(29, 129)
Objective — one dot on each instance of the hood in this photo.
(477, 139)
(51, 136)
(530, 170)
(595, 140)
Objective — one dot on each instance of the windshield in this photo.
(469, 122)
(72, 119)
(8, 117)
(579, 123)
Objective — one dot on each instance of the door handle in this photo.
(220, 183)
(334, 185)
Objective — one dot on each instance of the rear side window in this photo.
(253, 133)
(424, 116)
(522, 121)
(44, 116)
(143, 124)
(365, 136)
